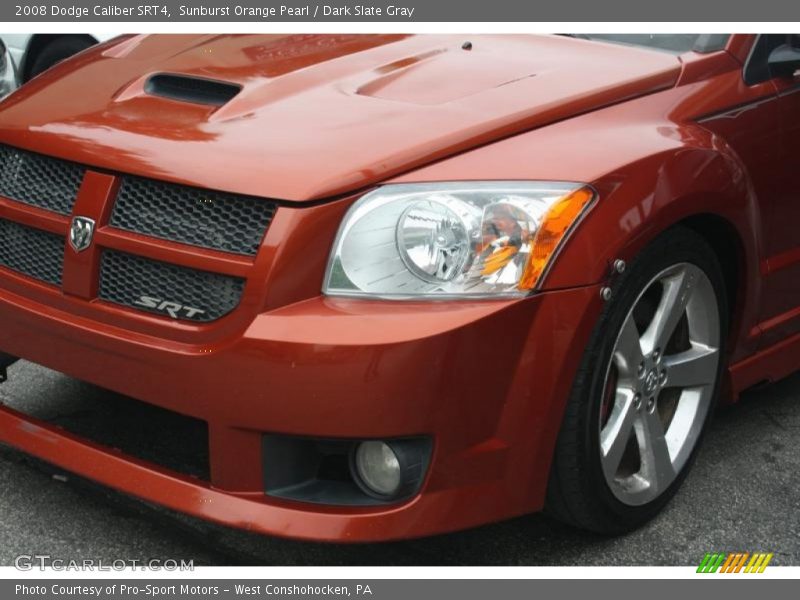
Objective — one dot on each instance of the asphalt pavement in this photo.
(743, 494)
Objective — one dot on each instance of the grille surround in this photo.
(41, 181)
(194, 216)
(32, 252)
(126, 278)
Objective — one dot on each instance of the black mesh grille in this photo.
(40, 181)
(208, 219)
(35, 253)
(166, 289)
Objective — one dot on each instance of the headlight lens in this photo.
(453, 239)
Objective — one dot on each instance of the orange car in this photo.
(409, 284)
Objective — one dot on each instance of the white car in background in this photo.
(8, 73)
(25, 55)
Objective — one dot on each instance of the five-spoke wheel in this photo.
(659, 384)
(645, 388)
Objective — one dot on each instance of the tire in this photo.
(585, 489)
(57, 50)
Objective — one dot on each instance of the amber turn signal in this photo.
(557, 223)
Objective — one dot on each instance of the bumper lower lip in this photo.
(465, 374)
(251, 511)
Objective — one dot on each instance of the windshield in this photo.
(677, 43)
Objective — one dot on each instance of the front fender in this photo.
(643, 198)
(650, 174)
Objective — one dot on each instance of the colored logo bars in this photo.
(735, 562)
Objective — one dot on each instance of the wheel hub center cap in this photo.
(651, 382)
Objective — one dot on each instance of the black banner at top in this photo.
(399, 11)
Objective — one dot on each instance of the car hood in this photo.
(315, 116)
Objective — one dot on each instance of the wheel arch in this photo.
(728, 246)
(706, 189)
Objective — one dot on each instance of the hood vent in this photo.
(196, 90)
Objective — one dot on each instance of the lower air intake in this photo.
(168, 290)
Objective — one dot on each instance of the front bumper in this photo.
(487, 381)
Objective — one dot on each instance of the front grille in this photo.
(38, 180)
(165, 289)
(208, 219)
(220, 221)
(35, 253)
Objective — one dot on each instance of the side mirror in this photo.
(784, 61)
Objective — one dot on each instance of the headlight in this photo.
(466, 239)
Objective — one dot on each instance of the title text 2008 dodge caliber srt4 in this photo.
(410, 283)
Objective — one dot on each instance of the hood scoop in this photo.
(195, 90)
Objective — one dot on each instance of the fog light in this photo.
(378, 468)
(391, 469)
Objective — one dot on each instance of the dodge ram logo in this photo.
(81, 232)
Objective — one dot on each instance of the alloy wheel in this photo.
(659, 384)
